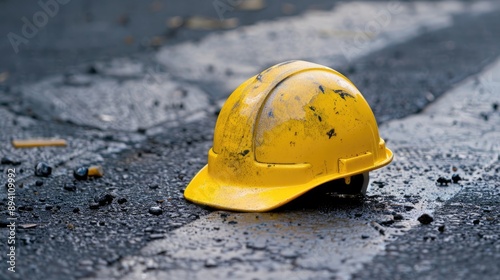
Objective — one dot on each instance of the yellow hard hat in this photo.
(283, 132)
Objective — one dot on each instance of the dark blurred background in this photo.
(82, 31)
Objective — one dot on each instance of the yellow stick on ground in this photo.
(95, 171)
(34, 143)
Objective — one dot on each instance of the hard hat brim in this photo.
(205, 190)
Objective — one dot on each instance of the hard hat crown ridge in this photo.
(283, 132)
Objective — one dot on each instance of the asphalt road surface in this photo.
(144, 109)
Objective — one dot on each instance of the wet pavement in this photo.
(149, 120)
(321, 236)
(80, 32)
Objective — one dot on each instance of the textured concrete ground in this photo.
(430, 74)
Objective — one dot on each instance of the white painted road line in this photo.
(349, 31)
(130, 97)
(127, 97)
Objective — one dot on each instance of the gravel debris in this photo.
(155, 210)
(398, 217)
(43, 169)
(443, 181)
(441, 228)
(104, 198)
(210, 263)
(80, 173)
(456, 178)
(425, 219)
(9, 161)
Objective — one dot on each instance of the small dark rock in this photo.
(210, 263)
(397, 217)
(387, 222)
(104, 198)
(26, 208)
(155, 210)
(42, 169)
(484, 116)
(81, 173)
(425, 219)
(232, 222)
(153, 186)
(443, 181)
(441, 228)
(122, 200)
(76, 210)
(70, 188)
(379, 184)
(4, 223)
(486, 209)
(38, 183)
(494, 106)
(364, 236)
(476, 222)
(409, 207)
(455, 178)
(92, 70)
(6, 160)
(48, 207)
